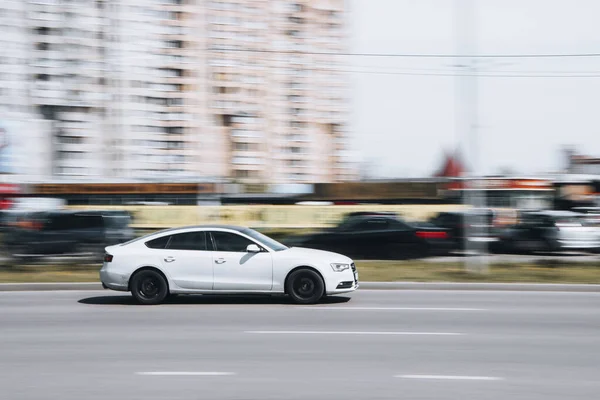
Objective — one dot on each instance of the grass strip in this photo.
(543, 271)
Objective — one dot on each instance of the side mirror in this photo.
(252, 248)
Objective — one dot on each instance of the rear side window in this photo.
(374, 224)
(159, 243)
(117, 221)
(87, 221)
(188, 241)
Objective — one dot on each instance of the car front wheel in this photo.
(149, 287)
(305, 286)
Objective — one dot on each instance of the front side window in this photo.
(231, 242)
(188, 241)
(259, 237)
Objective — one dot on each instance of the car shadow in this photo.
(124, 300)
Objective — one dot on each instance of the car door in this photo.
(371, 238)
(56, 237)
(526, 235)
(187, 260)
(235, 268)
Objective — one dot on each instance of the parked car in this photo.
(376, 235)
(117, 225)
(224, 260)
(476, 226)
(550, 231)
(49, 233)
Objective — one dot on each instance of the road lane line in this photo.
(184, 373)
(451, 377)
(393, 308)
(354, 333)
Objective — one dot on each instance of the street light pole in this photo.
(466, 118)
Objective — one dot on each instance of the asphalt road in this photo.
(379, 345)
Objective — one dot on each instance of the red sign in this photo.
(502, 184)
(9, 188)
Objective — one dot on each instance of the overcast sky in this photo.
(404, 108)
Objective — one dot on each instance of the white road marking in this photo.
(355, 333)
(341, 308)
(451, 377)
(185, 373)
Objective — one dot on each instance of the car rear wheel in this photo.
(149, 287)
(305, 286)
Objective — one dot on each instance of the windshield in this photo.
(267, 241)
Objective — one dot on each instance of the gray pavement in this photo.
(378, 345)
(397, 285)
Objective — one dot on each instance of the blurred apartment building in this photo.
(174, 90)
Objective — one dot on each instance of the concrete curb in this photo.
(523, 287)
(16, 287)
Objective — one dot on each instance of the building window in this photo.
(174, 44)
(245, 146)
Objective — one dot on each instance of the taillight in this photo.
(108, 257)
(432, 235)
(35, 225)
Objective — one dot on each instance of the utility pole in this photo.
(466, 120)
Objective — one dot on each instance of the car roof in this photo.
(553, 213)
(203, 227)
(475, 211)
(183, 229)
(105, 213)
(372, 214)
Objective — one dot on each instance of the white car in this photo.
(223, 259)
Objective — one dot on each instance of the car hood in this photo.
(320, 255)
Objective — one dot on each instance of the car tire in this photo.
(305, 286)
(149, 287)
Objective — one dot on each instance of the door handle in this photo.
(169, 259)
(219, 260)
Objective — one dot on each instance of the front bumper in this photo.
(347, 282)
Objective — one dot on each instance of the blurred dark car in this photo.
(117, 225)
(369, 235)
(477, 224)
(50, 233)
(551, 231)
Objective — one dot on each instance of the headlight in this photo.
(340, 267)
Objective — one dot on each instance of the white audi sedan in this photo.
(220, 259)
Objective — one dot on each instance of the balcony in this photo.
(72, 147)
(50, 96)
(76, 116)
(83, 161)
(247, 167)
(47, 63)
(252, 154)
(246, 134)
(46, 20)
(77, 129)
